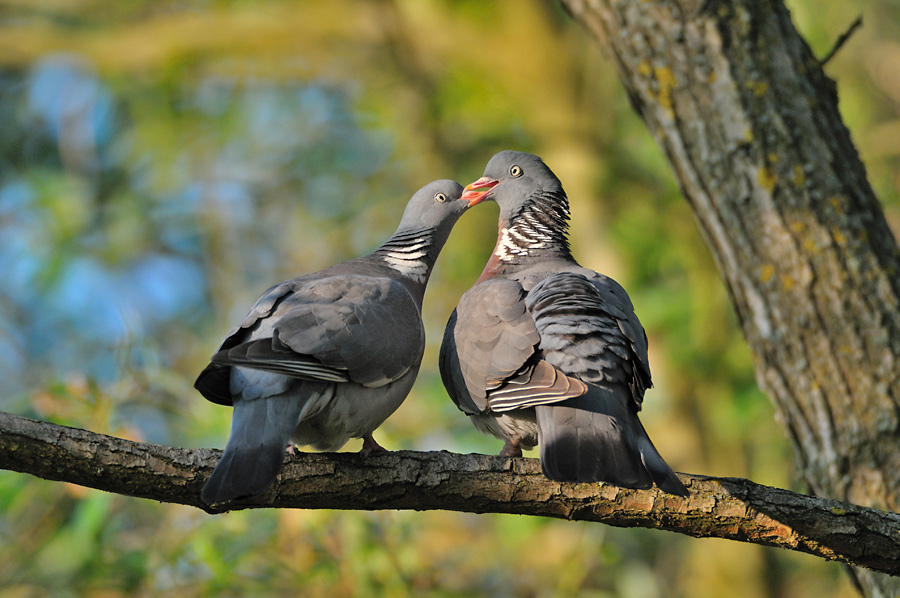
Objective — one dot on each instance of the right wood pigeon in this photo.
(543, 351)
(328, 356)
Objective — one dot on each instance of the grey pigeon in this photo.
(328, 356)
(543, 351)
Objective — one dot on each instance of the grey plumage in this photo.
(328, 356)
(543, 351)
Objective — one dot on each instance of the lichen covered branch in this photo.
(728, 508)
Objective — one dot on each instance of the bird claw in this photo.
(290, 449)
(370, 446)
(511, 449)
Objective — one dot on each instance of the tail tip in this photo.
(672, 485)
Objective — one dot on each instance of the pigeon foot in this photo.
(511, 449)
(370, 446)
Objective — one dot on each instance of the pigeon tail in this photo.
(260, 433)
(662, 474)
(598, 438)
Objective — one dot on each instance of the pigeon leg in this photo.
(370, 446)
(511, 448)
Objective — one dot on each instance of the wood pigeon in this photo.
(543, 351)
(328, 356)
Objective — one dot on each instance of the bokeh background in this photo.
(164, 162)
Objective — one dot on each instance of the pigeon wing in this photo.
(490, 359)
(589, 331)
(341, 328)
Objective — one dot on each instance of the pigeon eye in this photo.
(515, 170)
(440, 197)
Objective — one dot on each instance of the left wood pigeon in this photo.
(328, 356)
(543, 351)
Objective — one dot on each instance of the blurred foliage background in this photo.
(163, 162)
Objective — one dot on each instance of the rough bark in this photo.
(750, 124)
(728, 508)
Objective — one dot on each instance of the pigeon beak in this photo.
(476, 192)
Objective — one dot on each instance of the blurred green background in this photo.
(162, 163)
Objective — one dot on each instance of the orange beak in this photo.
(476, 192)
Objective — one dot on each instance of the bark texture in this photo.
(728, 508)
(750, 124)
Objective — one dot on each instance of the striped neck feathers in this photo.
(539, 229)
(408, 252)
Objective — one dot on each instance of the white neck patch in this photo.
(407, 260)
(514, 243)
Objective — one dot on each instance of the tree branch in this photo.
(729, 508)
(842, 39)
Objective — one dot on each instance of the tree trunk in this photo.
(750, 124)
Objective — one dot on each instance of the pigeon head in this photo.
(534, 209)
(436, 206)
(426, 224)
(511, 179)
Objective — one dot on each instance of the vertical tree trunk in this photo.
(751, 126)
